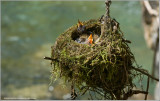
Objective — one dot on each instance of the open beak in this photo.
(79, 23)
(90, 39)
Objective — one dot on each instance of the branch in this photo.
(108, 3)
(145, 73)
(130, 93)
(147, 88)
(105, 24)
(49, 58)
(138, 91)
(149, 8)
(73, 92)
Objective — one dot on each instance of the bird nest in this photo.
(94, 56)
(104, 66)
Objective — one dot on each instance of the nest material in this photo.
(104, 67)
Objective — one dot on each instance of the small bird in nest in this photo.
(81, 27)
(85, 39)
(90, 39)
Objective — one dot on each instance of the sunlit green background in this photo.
(30, 28)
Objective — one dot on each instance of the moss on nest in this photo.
(104, 67)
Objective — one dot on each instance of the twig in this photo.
(147, 88)
(138, 91)
(145, 73)
(130, 93)
(149, 9)
(85, 91)
(100, 93)
(90, 95)
(154, 57)
(104, 24)
(108, 3)
(73, 93)
(49, 58)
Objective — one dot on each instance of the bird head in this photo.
(81, 27)
(80, 24)
(90, 39)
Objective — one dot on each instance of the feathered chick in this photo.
(81, 27)
(90, 39)
(85, 39)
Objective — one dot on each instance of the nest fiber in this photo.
(103, 67)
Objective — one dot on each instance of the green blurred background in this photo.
(30, 28)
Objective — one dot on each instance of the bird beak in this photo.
(79, 23)
(90, 39)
